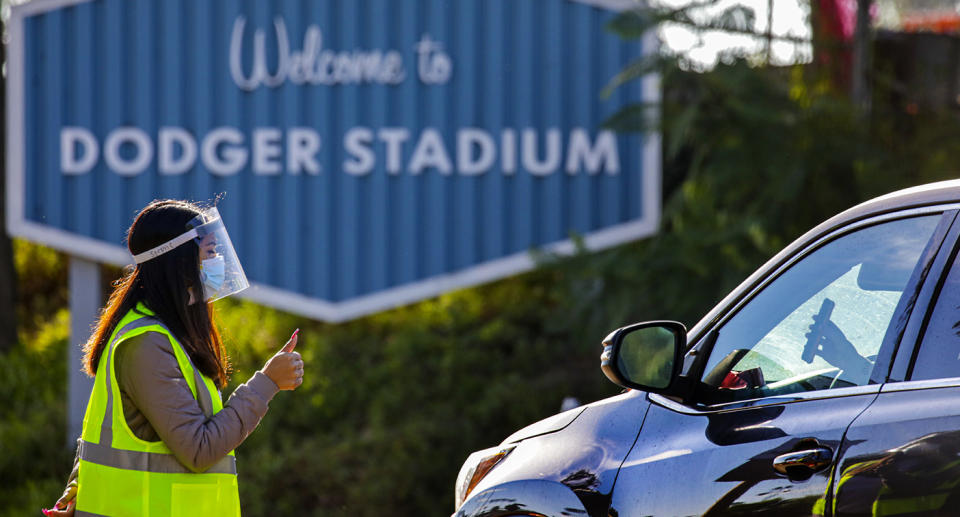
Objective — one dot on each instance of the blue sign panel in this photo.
(364, 153)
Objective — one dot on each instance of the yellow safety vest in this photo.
(123, 476)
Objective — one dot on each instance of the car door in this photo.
(784, 373)
(902, 455)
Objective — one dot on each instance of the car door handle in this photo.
(802, 464)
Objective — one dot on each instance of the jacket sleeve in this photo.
(72, 480)
(147, 371)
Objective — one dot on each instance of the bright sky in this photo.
(790, 17)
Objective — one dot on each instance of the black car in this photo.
(827, 383)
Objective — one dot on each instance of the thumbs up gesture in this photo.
(286, 367)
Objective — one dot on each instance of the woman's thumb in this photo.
(291, 343)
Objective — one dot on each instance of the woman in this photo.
(157, 440)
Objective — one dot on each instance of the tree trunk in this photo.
(860, 91)
(8, 274)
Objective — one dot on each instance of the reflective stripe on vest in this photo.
(147, 461)
(121, 475)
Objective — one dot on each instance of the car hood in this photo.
(548, 425)
(582, 448)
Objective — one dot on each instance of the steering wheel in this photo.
(836, 378)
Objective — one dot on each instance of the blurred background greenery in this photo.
(392, 404)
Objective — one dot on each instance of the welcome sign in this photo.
(364, 153)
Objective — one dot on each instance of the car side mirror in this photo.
(644, 356)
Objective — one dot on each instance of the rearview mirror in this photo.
(644, 356)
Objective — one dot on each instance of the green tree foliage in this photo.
(33, 386)
(393, 403)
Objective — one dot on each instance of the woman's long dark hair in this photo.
(163, 284)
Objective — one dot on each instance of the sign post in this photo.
(84, 279)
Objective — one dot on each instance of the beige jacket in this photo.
(158, 404)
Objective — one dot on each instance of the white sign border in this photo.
(295, 303)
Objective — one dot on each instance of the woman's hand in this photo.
(66, 503)
(286, 367)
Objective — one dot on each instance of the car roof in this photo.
(942, 192)
(921, 195)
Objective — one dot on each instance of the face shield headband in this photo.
(220, 269)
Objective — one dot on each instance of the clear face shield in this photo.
(220, 269)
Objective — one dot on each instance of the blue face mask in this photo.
(212, 273)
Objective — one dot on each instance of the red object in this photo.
(938, 22)
(840, 18)
(733, 381)
(835, 22)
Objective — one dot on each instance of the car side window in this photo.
(939, 354)
(820, 324)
